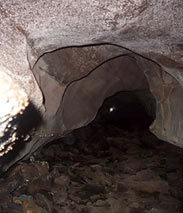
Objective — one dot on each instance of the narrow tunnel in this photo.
(98, 75)
(128, 110)
(104, 158)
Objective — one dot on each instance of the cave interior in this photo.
(107, 155)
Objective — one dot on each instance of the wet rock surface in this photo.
(105, 169)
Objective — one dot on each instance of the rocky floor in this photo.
(99, 170)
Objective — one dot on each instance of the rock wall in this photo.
(149, 33)
(88, 94)
(168, 93)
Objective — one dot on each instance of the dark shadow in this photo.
(126, 111)
(25, 124)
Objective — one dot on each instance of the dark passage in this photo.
(132, 111)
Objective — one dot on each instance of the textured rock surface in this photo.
(106, 170)
(13, 101)
(149, 28)
(111, 77)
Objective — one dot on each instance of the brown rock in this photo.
(146, 181)
(38, 184)
(50, 152)
(150, 186)
(94, 209)
(44, 202)
(22, 173)
(146, 175)
(100, 203)
(62, 180)
(132, 166)
(29, 206)
(118, 206)
(42, 167)
(75, 198)
(60, 197)
(17, 201)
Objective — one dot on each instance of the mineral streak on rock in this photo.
(13, 101)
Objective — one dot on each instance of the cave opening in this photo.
(100, 85)
(132, 111)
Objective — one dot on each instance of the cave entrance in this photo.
(132, 111)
